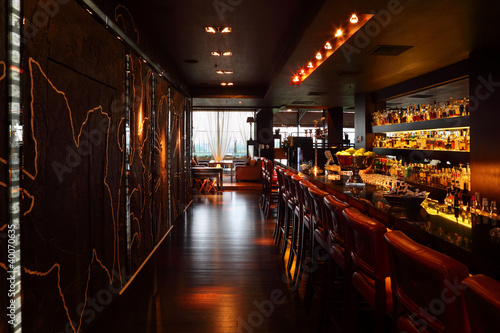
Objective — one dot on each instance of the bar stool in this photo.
(296, 224)
(425, 299)
(290, 204)
(281, 203)
(264, 182)
(318, 237)
(271, 195)
(340, 258)
(371, 266)
(482, 300)
(305, 227)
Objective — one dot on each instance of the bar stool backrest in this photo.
(306, 197)
(482, 298)
(367, 244)
(422, 281)
(317, 196)
(336, 223)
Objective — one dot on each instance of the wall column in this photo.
(335, 120)
(264, 127)
(484, 94)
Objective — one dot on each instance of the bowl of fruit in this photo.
(355, 160)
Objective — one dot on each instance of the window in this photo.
(221, 134)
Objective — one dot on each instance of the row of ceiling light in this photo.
(222, 30)
(340, 36)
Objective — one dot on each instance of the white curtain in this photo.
(221, 129)
(219, 136)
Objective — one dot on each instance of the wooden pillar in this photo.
(335, 119)
(264, 127)
(484, 94)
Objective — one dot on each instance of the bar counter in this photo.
(472, 245)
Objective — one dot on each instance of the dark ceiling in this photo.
(271, 40)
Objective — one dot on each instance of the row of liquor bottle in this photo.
(426, 174)
(471, 208)
(450, 139)
(412, 113)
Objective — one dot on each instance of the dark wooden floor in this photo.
(219, 271)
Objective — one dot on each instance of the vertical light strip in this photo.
(14, 96)
(127, 164)
(153, 160)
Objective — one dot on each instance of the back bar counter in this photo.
(471, 245)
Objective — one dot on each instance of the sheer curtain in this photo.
(219, 136)
(221, 130)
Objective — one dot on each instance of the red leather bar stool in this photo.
(370, 278)
(281, 203)
(358, 204)
(271, 196)
(296, 224)
(291, 203)
(383, 217)
(318, 238)
(304, 257)
(482, 300)
(340, 266)
(423, 284)
(264, 183)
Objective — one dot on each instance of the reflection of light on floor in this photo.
(222, 300)
(265, 241)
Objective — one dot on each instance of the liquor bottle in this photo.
(472, 209)
(494, 213)
(448, 200)
(456, 206)
(485, 211)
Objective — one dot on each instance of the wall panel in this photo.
(177, 154)
(141, 182)
(73, 246)
(161, 160)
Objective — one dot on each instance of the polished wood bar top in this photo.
(471, 245)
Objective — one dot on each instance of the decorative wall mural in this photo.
(74, 246)
(141, 183)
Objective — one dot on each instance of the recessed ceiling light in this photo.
(228, 72)
(230, 84)
(328, 46)
(338, 33)
(226, 30)
(227, 54)
(319, 56)
(296, 78)
(220, 72)
(302, 72)
(223, 84)
(215, 54)
(310, 65)
(211, 30)
(354, 19)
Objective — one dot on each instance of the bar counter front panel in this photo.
(472, 245)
